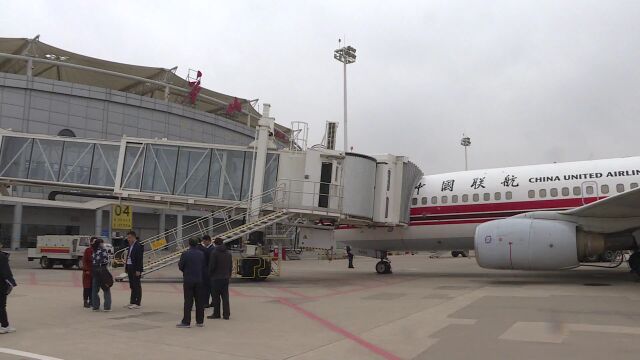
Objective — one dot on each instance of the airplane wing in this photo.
(624, 205)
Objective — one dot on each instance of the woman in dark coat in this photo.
(86, 274)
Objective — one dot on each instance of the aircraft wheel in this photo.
(382, 266)
(634, 262)
(455, 253)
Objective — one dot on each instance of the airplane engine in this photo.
(526, 244)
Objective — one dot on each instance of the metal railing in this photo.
(177, 239)
(315, 196)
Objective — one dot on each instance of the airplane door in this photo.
(589, 192)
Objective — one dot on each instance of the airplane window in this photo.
(434, 199)
(543, 193)
(465, 198)
(553, 192)
(620, 188)
(414, 201)
(633, 185)
(476, 197)
(565, 191)
(487, 196)
(532, 194)
(589, 190)
(576, 191)
(454, 199)
(445, 200)
(509, 195)
(425, 200)
(604, 189)
(497, 196)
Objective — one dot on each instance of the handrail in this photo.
(119, 255)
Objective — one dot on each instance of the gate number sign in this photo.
(121, 217)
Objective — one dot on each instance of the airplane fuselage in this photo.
(447, 208)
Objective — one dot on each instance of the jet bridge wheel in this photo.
(383, 267)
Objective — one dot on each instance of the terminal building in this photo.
(51, 91)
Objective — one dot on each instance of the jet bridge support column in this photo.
(261, 146)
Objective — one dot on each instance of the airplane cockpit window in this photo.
(633, 185)
(508, 195)
(486, 196)
(542, 193)
(476, 197)
(620, 188)
(454, 199)
(589, 190)
(444, 199)
(465, 198)
(434, 199)
(532, 194)
(424, 201)
(576, 191)
(604, 189)
(565, 191)
(553, 192)
(497, 196)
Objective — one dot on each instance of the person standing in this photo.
(220, 267)
(99, 276)
(206, 247)
(87, 281)
(7, 283)
(191, 264)
(350, 256)
(134, 270)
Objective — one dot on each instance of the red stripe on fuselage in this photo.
(505, 206)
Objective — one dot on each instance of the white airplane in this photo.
(539, 217)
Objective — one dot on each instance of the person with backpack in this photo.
(102, 278)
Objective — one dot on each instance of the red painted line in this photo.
(294, 292)
(335, 328)
(176, 288)
(32, 279)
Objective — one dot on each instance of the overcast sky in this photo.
(529, 81)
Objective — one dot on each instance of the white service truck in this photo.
(65, 250)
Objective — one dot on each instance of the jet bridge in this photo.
(245, 189)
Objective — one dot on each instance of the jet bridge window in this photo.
(454, 199)
(542, 193)
(531, 194)
(434, 200)
(576, 191)
(565, 191)
(465, 198)
(633, 185)
(497, 196)
(476, 197)
(553, 192)
(508, 195)
(424, 201)
(620, 188)
(604, 189)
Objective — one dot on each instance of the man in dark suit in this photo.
(220, 267)
(191, 264)
(7, 283)
(206, 247)
(134, 269)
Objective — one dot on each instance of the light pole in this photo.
(346, 55)
(466, 142)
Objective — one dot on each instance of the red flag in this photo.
(234, 106)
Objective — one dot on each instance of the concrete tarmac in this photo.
(446, 308)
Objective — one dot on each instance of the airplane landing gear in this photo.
(384, 265)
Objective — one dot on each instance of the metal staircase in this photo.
(166, 248)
